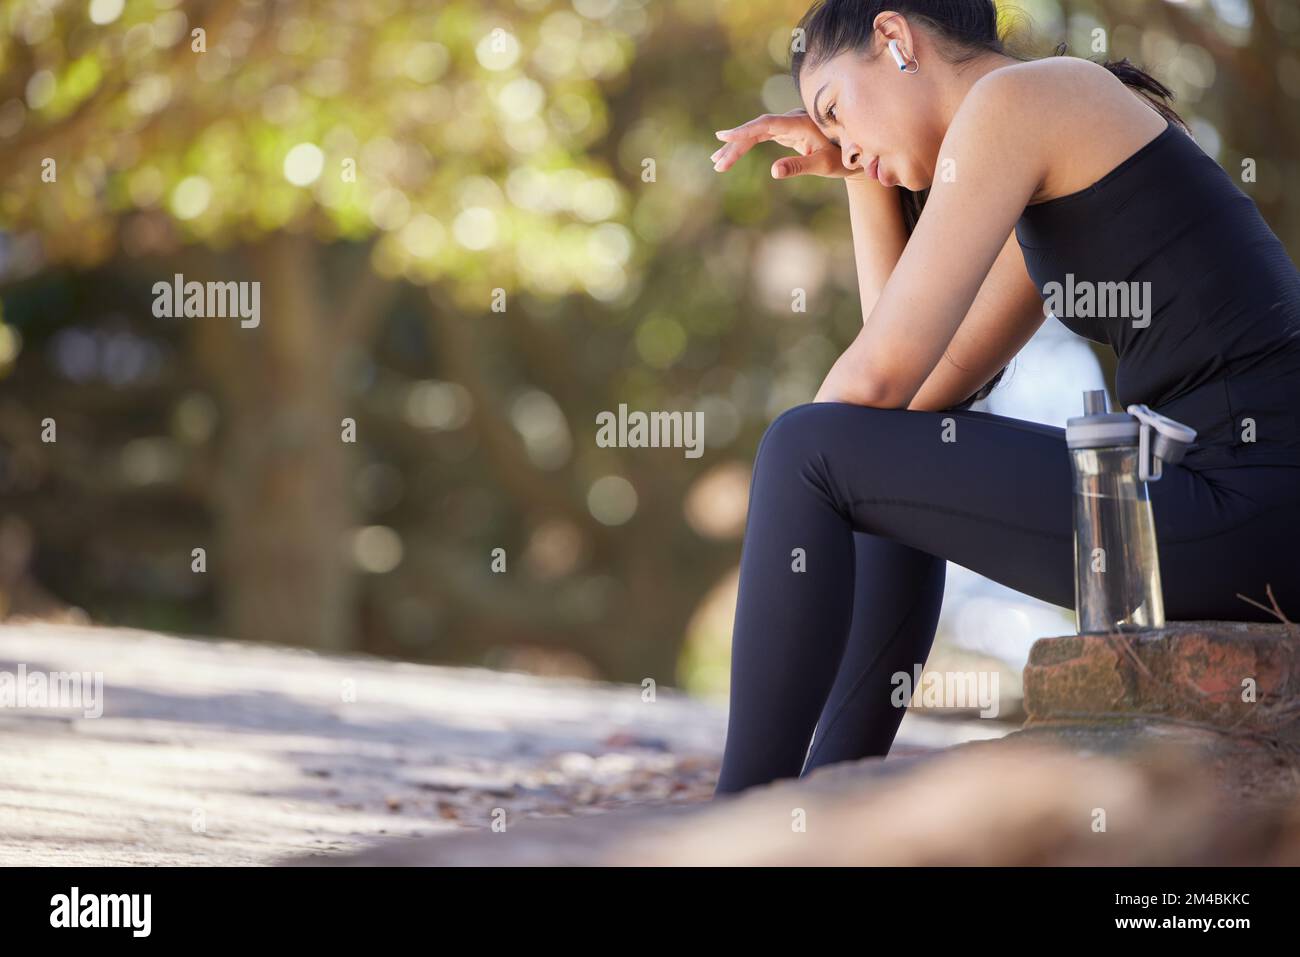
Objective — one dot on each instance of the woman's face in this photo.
(877, 115)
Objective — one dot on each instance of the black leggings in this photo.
(877, 501)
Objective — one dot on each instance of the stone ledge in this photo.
(1190, 671)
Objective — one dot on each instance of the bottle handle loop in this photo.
(1169, 443)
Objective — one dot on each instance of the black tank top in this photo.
(1214, 339)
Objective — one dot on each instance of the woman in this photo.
(1038, 173)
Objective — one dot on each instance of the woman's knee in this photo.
(824, 432)
(784, 441)
(809, 427)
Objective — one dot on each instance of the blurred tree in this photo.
(230, 141)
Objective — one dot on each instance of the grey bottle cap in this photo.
(1098, 428)
(1101, 429)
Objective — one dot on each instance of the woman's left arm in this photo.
(990, 166)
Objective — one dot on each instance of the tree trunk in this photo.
(284, 508)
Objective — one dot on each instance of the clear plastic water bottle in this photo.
(1116, 565)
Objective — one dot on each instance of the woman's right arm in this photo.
(1007, 310)
(879, 235)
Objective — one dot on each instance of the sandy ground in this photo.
(219, 752)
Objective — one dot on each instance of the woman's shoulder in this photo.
(1060, 87)
(1076, 116)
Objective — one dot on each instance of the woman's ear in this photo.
(890, 26)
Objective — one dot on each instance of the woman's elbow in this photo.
(885, 395)
(869, 390)
(884, 388)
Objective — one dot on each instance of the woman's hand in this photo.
(818, 156)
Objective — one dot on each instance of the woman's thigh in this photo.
(994, 494)
(988, 492)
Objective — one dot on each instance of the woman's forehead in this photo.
(824, 69)
(813, 77)
(816, 77)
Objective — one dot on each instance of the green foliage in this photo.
(468, 130)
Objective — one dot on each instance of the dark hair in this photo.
(964, 29)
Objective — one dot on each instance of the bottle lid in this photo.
(1159, 438)
(1098, 428)
(1098, 431)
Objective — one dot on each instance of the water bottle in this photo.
(1116, 566)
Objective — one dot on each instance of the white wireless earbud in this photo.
(898, 56)
(900, 60)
